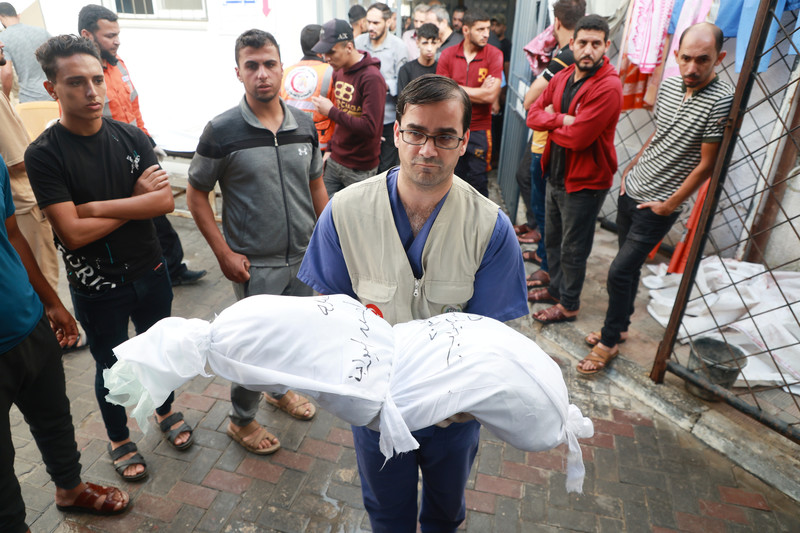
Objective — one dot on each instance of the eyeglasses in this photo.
(417, 138)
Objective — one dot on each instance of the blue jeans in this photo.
(445, 456)
(538, 196)
(570, 220)
(104, 316)
(639, 230)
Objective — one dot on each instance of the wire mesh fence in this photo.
(733, 326)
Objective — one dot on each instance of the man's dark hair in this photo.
(569, 12)
(715, 30)
(592, 23)
(7, 10)
(430, 89)
(386, 11)
(475, 15)
(429, 30)
(63, 46)
(459, 9)
(309, 36)
(89, 15)
(255, 39)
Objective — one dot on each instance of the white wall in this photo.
(184, 70)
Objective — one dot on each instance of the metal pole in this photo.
(717, 180)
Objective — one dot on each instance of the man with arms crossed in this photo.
(359, 94)
(412, 243)
(32, 378)
(478, 69)
(266, 158)
(580, 108)
(100, 25)
(99, 184)
(691, 112)
(566, 13)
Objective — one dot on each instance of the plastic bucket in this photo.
(717, 362)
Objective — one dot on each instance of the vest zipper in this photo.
(285, 205)
(416, 288)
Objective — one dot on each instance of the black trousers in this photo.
(32, 378)
(171, 246)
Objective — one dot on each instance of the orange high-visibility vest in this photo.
(122, 100)
(302, 81)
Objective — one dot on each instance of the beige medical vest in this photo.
(377, 263)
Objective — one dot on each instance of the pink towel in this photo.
(648, 25)
(540, 49)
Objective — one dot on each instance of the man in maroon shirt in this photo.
(477, 68)
(360, 93)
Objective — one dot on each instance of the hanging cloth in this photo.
(639, 89)
(746, 22)
(647, 26)
(539, 51)
(691, 12)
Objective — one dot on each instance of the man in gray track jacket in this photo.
(265, 156)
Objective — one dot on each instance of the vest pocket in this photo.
(374, 290)
(449, 292)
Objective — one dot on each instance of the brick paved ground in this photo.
(643, 472)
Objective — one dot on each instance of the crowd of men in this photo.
(372, 142)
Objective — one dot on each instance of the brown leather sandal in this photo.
(251, 435)
(599, 357)
(594, 337)
(293, 404)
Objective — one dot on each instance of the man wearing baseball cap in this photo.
(359, 92)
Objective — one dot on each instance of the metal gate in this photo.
(749, 233)
(529, 21)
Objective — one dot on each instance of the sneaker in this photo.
(188, 277)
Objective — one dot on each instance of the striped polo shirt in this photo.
(681, 127)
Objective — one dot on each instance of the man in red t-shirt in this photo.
(477, 68)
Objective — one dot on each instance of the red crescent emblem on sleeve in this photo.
(374, 309)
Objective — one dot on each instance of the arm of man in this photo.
(708, 157)
(7, 77)
(403, 77)
(489, 90)
(235, 266)
(500, 290)
(599, 108)
(61, 321)
(633, 163)
(152, 197)
(534, 91)
(540, 115)
(323, 267)
(319, 196)
(370, 122)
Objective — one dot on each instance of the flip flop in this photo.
(599, 357)
(85, 501)
(137, 459)
(255, 433)
(594, 337)
(553, 315)
(291, 402)
(172, 434)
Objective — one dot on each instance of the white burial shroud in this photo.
(354, 364)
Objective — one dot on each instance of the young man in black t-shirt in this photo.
(99, 184)
(428, 43)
